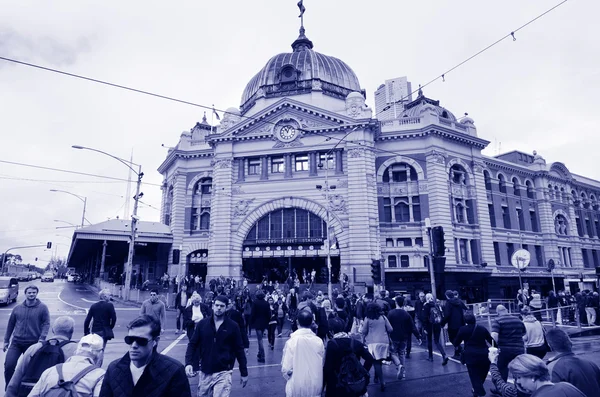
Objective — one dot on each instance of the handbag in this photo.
(463, 359)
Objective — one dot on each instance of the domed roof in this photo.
(422, 103)
(299, 72)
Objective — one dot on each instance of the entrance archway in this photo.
(197, 262)
(289, 242)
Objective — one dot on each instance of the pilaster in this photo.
(486, 246)
(544, 209)
(177, 217)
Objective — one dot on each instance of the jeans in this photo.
(591, 315)
(15, 350)
(477, 374)
(504, 358)
(398, 352)
(247, 328)
(261, 346)
(178, 319)
(280, 321)
(271, 334)
(214, 385)
(433, 334)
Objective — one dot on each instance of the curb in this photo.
(124, 302)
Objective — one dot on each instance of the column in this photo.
(545, 219)
(312, 164)
(264, 168)
(469, 253)
(339, 168)
(287, 158)
(103, 260)
(241, 169)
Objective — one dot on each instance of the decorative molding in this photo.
(342, 183)
(222, 163)
(295, 143)
(356, 152)
(337, 203)
(437, 156)
(242, 207)
(479, 166)
(400, 159)
(371, 181)
(236, 190)
(198, 177)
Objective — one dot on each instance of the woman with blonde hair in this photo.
(532, 376)
(376, 329)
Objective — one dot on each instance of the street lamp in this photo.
(68, 223)
(82, 198)
(134, 217)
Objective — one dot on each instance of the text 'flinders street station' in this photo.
(304, 158)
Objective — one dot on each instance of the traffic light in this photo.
(176, 254)
(376, 271)
(49, 245)
(437, 241)
(551, 265)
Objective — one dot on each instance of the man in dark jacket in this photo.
(142, 371)
(103, 317)
(233, 314)
(454, 316)
(214, 347)
(403, 329)
(419, 313)
(565, 366)
(259, 319)
(181, 300)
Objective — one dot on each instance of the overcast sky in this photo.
(539, 92)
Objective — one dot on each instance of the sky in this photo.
(536, 93)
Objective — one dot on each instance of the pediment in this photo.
(304, 117)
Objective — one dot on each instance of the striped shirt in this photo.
(510, 331)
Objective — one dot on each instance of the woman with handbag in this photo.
(475, 352)
(376, 329)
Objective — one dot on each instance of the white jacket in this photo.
(303, 355)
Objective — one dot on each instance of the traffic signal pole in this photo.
(431, 268)
(48, 245)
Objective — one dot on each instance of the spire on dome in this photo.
(302, 42)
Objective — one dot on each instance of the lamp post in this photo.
(134, 217)
(330, 237)
(82, 198)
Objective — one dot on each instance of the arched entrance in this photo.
(288, 242)
(197, 263)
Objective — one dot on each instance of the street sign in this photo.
(520, 259)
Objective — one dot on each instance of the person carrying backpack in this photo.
(41, 356)
(343, 373)
(432, 326)
(79, 376)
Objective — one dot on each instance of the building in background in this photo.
(391, 97)
(304, 160)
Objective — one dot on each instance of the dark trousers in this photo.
(433, 335)
(504, 358)
(539, 351)
(12, 356)
(190, 331)
(477, 374)
(452, 335)
(271, 333)
(409, 345)
(178, 317)
(261, 346)
(247, 324)
(280, 321)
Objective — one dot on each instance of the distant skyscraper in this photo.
(394, 93)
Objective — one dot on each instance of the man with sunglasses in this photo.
(142, 371)
(215, 345)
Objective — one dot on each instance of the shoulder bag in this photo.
(462, 353)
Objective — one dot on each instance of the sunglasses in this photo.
(139, 340)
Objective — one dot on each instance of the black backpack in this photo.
(352, 376)
(47, 356)
(435, 316)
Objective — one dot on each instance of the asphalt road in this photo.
(423, 377)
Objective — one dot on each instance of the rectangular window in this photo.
(389, 242)
(419, 241)
(316, 226)
(521, 219)
(539, 255)
(401, 209)
(276, 218)
(459, 210)
(510, 250)
(404, 262)
(492, 215)
(597, 227)
(392, 261)
(475, 256)
(204, 219)
(399, 176)
(301, 162)
(586, 259)
(534, 222)
(506, 217)
(595, 258)
(301, 224)
(327, 161)
(195, 219)
(288, 223)
(464, 256)
(416, 207)
(277, 165)
(579, 226)
(590, 229)
(263, 228)
(253, 166)
(471, 212)
(387, 210)
(497, 252)
(403, 242)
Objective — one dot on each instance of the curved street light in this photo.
(68, 223)
(134, 217)
(82, 198)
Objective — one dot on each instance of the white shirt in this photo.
(196, 314)
(303, 355)
(136, 373)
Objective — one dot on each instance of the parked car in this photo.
(71, 278)
(23, 277)
(48, 276)
(9, 289)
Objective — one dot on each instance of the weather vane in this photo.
(301, 16)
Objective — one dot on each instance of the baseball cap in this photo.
(92, 342)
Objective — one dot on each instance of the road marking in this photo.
(68, 304)
(87, 300)
(173, 344)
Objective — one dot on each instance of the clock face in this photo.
(287, 133)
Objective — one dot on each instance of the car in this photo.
(23, 277)
(9, 289)
(72, 277)
(48, 276)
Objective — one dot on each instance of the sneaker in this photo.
(445, 361)
(261, 360)
(176, 331)
(279, 335)
(401, 372)
(407, 355)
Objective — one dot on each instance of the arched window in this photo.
(530, 191)
(288, 223)
(557, 195)
(458, 175)
(561, 225)
(550, 192)
(204, 186)
(502, 183)
(516, 187)
(400, 172)
(488, 180)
